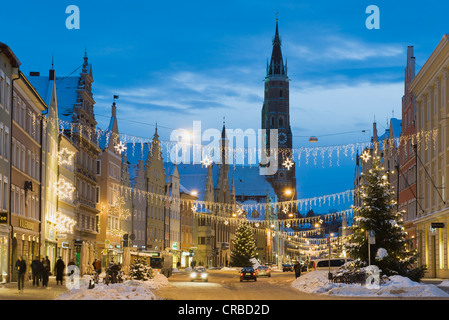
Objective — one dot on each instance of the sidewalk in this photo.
(9, 291)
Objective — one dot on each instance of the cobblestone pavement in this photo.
(10, 291)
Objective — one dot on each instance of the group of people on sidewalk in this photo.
(40, 271)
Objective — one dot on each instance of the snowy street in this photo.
(225, 285)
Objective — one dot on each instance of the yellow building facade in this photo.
(430, 89)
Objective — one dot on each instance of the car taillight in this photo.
(254, 273)
(241, 274)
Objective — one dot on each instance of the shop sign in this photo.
(25, 224)
(3, 217)
(435, 225)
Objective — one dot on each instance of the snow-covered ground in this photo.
(312, 282)
(397, 286)
(128, 290)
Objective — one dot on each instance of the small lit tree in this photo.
(244, 247)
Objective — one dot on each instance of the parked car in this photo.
(199, 273)
(287, 267)
(323, 264)
(248, 273)
(263, 271)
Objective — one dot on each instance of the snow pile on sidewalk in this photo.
(397, 286)
(128, 290)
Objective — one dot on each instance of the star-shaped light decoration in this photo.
(194, 208)
(285, 210)
(288, 163)
(120, 147)
(65, 156)
(365, 156)
(206, 161)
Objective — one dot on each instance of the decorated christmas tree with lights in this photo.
(244, 247)
(377, 212)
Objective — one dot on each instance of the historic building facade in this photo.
(9, 69)
(113, 213)
(155, 198)
(27, 153)
(430, 90)
(407, 157)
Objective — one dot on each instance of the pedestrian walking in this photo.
(21, 268)
(36, 271)
(97, 266)
(45, 271)
(59, 270)
(297, 268)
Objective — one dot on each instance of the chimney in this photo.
(35, 73)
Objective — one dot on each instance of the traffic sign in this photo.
(371, 237)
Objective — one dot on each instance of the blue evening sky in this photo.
(175, 62)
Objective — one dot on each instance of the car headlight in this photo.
(193, 275)
(204, 275)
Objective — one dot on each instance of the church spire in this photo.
(276, 63)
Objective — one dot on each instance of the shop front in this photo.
(4, 244)
(25, 242)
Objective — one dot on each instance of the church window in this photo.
(272, 121)
(281, 122)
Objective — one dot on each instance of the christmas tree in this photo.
(377, 213)
(140, 270)
(244, 247)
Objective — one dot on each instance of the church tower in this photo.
(276, 115)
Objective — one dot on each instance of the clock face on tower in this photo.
(282, 138)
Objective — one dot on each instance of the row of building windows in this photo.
(86, 160)
(26, 118)
(4, 141)
(155, 234)
(88, 191)
(24, 205)
(86, 222)
(156, 213)
(4, 194)
(5, 92)
(25, 160)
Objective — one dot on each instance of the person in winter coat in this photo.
(45, 272)
(59, 270)
(21, 268)
(297, 268)
(36, 270)
(97, 266)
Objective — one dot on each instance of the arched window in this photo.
(281, 122)
(272, 121)
(280, 93)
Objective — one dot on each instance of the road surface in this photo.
(226, 285)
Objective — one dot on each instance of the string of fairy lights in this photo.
(290, 156)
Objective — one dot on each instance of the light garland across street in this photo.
(423, 139)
